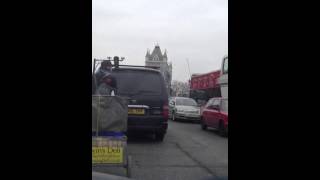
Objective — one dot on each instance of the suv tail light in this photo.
(165, 111)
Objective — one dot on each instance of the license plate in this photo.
(136, 111)
(107, 155)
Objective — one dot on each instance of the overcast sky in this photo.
(189, 29)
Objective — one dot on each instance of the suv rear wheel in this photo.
(159, 136)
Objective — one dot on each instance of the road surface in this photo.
(187, 153)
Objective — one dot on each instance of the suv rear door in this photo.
(143, 88)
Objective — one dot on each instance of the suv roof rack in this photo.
(115, 59)
(153, 67)
(116, 64)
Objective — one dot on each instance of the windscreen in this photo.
(185, 102)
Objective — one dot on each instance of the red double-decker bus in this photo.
(205, 86)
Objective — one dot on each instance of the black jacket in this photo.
(99, 84)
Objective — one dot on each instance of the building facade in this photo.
(157, 59)
(180, 89)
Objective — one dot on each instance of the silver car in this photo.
(183, 108)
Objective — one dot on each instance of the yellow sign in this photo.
(136, 111)
(107, 155)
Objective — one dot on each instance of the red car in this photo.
(215, 115)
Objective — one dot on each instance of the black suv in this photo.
(148, 99)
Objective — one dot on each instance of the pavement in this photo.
(187, 153)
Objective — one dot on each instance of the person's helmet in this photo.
(106, 63)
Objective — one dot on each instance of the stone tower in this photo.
(157, 59)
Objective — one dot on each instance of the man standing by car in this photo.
(105, 69)
(106, 83)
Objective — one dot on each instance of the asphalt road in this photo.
(187, 153)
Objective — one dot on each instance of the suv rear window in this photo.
(132, 82)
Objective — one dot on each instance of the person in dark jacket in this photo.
(105, 69)
(106, 83)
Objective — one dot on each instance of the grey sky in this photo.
(193, 29)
